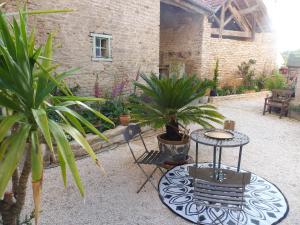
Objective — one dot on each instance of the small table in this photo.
(238, 140)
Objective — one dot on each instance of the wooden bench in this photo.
(280, 99)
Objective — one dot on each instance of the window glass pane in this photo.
(98, 53)
(104, 43)
(104, 53)
(98, 42)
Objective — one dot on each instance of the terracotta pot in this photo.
(229, 125)
(176, 150)
(124, 119)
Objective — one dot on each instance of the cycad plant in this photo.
(168, 104)
(27, 78)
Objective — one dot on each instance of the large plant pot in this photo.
(124, 119)
(176, 150)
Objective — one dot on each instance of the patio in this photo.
(272, 154)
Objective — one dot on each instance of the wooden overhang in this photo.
(240, 19)
(230, 18)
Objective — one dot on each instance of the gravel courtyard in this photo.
(273, 153)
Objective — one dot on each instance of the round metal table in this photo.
(238, 140)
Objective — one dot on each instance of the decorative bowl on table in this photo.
(219, 134)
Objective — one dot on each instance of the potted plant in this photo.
(124, 116)
(27, 80)
(168, 106)
(120, 111)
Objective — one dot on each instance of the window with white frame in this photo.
(101, 47)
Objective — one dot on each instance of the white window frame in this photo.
(102, 36)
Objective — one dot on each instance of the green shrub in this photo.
(261, 82)
(240, 90)
(226, 90)
(216, 76)
(247, 72)
(276, 81)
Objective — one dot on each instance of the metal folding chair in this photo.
(227, 194)
(151, 157)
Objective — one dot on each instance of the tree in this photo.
(27, 79)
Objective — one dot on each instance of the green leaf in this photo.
(36, 158)
(63, 168)
(38, 12)
(63, 146)
(81, 119)
(10, 162)
(6, 35)
(80, 139)
(78, 98)
(75, 122)
(41, 119)
(7, 123)
(100, 115)
(3, 147)
(31, 42)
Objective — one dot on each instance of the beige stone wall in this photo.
(232, 52)
(133, 24)
(180, 38)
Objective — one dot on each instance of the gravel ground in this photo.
(273, 153)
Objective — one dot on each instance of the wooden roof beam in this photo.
(241, 34)
(257, 20)
(249, 10)
(222, 18)
(239, 18)
(228, 20)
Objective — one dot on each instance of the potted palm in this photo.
(27, 80)
(168, 106)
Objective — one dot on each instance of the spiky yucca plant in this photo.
(168, 104)
(27, 78)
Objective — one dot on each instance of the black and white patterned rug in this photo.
(265, 203)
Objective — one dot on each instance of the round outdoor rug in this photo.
(265, 204)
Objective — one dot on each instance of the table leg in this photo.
(220, 158)
(214, 162)
(219, 163)
(240, 157)
(196, 161)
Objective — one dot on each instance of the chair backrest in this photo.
(281, 94)
(131, 132)
(228, 193)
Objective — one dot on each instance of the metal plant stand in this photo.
(238, 141)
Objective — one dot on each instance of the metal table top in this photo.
(239, 139)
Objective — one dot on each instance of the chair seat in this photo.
(276, 103)
(152, 157)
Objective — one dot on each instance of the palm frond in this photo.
(169, 98)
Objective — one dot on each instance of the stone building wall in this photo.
(232, 52)
(139, 43)
(180, 38)
(133, 24)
